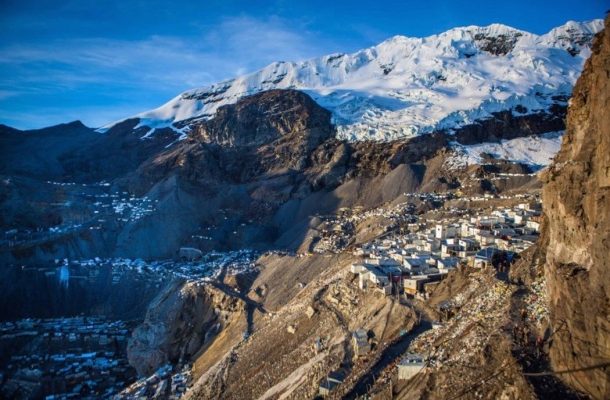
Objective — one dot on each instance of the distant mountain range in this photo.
(405, 86)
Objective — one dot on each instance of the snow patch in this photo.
(149, 133)
(535, 151)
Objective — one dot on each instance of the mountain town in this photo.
(423, 218)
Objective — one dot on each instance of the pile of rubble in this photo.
(482, 303)
(536, 301)
(472, 346)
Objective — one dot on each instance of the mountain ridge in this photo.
(405, 86)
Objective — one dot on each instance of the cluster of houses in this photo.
(131, 208)
(162, 384)
(415, 262)
(64, 358)
(203, 266)
(118, 206)
(337, 230)
(102, 206)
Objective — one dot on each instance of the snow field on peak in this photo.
(408, 86)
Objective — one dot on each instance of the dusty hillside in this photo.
(280, 359)
(577, 204)
(471, 354)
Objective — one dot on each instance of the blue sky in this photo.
(99, 61)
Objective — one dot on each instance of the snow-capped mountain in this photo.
(408, 86)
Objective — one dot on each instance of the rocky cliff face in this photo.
(182, 319)
(577, 204)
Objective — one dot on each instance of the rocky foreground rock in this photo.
(577, 205)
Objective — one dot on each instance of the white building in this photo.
(535, 226)
(357, 268)
(410, 365)
(443, 232)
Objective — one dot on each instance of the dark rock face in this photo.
(270, 132)
(499, 45)
(506, 125)
(37, 153)
(577, 205)
(116, 152)
(75, 153)
(266, 117)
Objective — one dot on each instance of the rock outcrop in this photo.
(260, 119)
(577, 204)
(181, 319)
